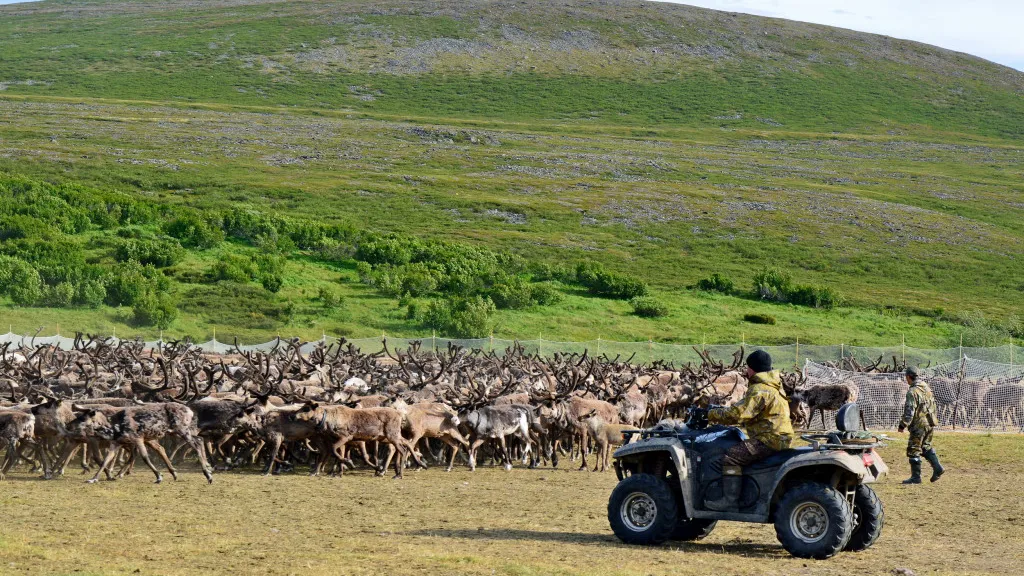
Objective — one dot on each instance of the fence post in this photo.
(540, 344)
(490, 343)
(961, 345)
(797, 351)
(433, 341)
(842, 351)
(650, 349)
(903, 347)
(599, 346)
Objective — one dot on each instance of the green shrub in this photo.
(392, 251)
(329, 299)
(160, 253)
(60, 295)
(126, 282)
(194, 231)
(461, 317)
(512, 292)
(815, 296)
(234, 268)
(90, 293)
(545, 293)
(716, 283)
(649, 307)
(586, 273)
(981, 332)
(20, 281)
(759, 319)
(600, 282)
(618, 286)
(154, 309)
(772, 284)
(272, 282)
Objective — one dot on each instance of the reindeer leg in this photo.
(473, 447)
(140, 449)
(275, 447)
(506, 458)
(111, 452)
(163, 456)
(9, 458)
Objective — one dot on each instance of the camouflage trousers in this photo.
(920, 441)
(746, 453)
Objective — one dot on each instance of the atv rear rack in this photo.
(844, 441)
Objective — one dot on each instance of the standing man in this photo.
(919, 415)
(764, 413)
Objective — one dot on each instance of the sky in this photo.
(991, 29)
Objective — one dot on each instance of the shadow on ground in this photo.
(735, 547)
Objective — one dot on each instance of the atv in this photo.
(819, 496)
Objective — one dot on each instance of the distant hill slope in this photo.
(665, 142)
(621, 62)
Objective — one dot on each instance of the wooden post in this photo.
(798, 351)
(490, 344)
(540, 344)
(650, 349)
(703, 341)
(433, 341)
(903, 346)
(599, 346)
(961, 345)
(842, 352)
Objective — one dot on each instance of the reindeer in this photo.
(16, 426)
(141, 426)
(344, 424)
(432, 420)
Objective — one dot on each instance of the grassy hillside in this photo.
(664, 142)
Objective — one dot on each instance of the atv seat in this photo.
(778, 458)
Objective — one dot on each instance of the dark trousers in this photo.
(746, 453)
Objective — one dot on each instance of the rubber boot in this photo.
(732, 485)
(937, 468)
(915, 472)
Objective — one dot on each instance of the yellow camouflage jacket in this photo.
(919, 407)
(763, 412)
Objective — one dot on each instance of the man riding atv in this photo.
(764, 413)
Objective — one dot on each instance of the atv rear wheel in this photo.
(643, 510)
(692, 529)
(868, 518)
(813, 520)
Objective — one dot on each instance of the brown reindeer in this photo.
(344, 424)
(16, 426)
(432, 420)
(141, 426)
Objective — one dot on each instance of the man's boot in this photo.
(937, 468)
(915, 472)
(732, 485)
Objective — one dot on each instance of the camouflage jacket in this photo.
(919, 411)
(763, 412)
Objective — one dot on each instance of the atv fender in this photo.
(638, 453)
(829, 467)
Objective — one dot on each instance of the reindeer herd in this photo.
(105, 404)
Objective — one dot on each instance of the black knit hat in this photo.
(759, 361)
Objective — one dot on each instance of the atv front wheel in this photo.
(813, 520)
(868, 518)
(643, 510)
(692, 529)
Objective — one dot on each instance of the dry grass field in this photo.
(489, 522)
